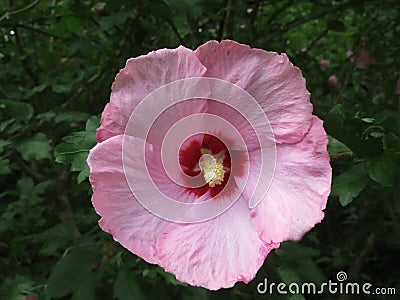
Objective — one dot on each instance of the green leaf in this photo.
(70, 116)
(4, 144)
(5, 167)
(21, 285)
(55, 238)
(288, 275)
(86, 290)
(47, 116)
(30, 192)
(73, 274)
(156, 272)
(61, 88)
(361, 138)
(300, 259)
(384, 170)
(349, 184)
(368, 120)
(17, 109)
(390, 120)
(39, 88)
(295, 252)
(127, 286)
(35, 147)
(5, 124)
(116, 19)
(35, 90)
(391, 142)
(66, 26)
(75, 148)
(336, 147)
(92, 124)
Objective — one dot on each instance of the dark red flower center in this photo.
(208, 154)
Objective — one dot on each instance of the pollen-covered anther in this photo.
(213, 169)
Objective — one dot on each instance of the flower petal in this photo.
(270, 78)
(140, 77)
(217, 253)
(299, 189)
(130, 224)
(244, 126)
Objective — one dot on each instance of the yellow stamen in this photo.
(213, 169)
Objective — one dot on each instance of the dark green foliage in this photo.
(57, 62)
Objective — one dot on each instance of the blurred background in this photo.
(58, 60)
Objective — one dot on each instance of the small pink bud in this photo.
(249, 10)
(324, 63)
(242, 26)
(333, 80)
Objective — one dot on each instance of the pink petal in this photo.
(299, 189)
(122, 215)
(243, 126)
(140, 77)
(333, 80)
(270, 78)
(217, 253)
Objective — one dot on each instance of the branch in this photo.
(32, 173)
(8, 14)
(279, 11)
(175, 30)
(222, 22)
(63, 206)
(320, 36)
(309, 18)
(83, 88)
(4, 92)
(19, 25)
(343, 155)
(24, 62)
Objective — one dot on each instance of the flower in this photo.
(333, 80)
(233, 245)
(324, 63)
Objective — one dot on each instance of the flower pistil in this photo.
(212, 168)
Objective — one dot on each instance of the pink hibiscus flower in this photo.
(218, 251)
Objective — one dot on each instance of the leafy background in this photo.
(58, 60)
